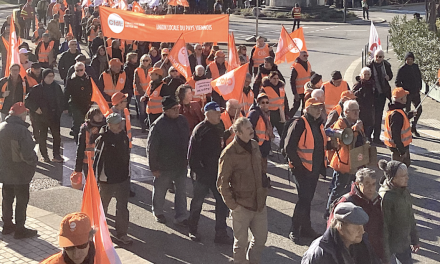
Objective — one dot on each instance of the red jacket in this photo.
(192, 113)
(374, 227)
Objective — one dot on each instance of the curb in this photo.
(6, 7)
(367, 22)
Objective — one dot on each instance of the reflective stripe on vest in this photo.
(144, 80)
(297, 12)
(89, 147)
(248, 100)
(303, 76)
(259, 54)
(275, 101)
(260, 131)
(405, 134)
(43, 53)
(92, 35)
(333, 94)
(154, 105)
(4, 87)
(306, 145)
(109, 87)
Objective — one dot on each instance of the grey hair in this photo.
(238, 124)
(377, 52)
(365, 69)
(317, 93)
(363, 173)
(196, 45)
(171, 69)
(231, 101)
(335, 223)
(348, 103)
(78, 64)
(199, 66)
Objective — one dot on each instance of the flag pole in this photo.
(105, 42)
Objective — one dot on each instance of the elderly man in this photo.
(65, 45)
(300, 75)
(264, 70)
(260, 51)
(206, 147)
(241, 184)
(319, 95)
(248, 95)
(344, 241)
(113, 80)
(89, 69)
(78, 95)
(17, 168)
(67, 59)
(46, 52)
(333, 90)
(305, 148)
(76, 238)
(24, 58)
(364, 194)
(197, 57)
(164, 63)
(13, 90)
(228, 117)
(338, 110)
(173, 80)
(167, 149)
(397, 132)
(198, 75)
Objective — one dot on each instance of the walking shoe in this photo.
(309, 233)
(378, 142)
(183, 223)
(124, 239)
(223, 239)
(171, 189)
(132, 193)
(194, 236)
(25, 233)
(45, 159)
(160, 219)
(414, 132)
(8, 229)
(294, 237)
(58, 158)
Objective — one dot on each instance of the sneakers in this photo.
(223, 239)
(194, 236)
(183, 223)
(8, 229)
(124, 239)
(57, 158)
(294, 237)
(160, 219)
(414, 132)
(25, 233)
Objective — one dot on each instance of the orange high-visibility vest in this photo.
(303, 76)
(248, 100)
(5, 87)
(405, 134)
(306, 145)
(333, 94)
(228, 123)
(43, 53)
(54, 259)
(338, 109)
(260, 131)
(30, 80)
(56, 8)
(214, 69)
(92, 35)
(61, 12)
(154, 105)
(144, 79)
(275, 101)
(109, 87)
(297, 12)
(127, 125)
(259, 54)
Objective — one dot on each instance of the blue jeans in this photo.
(342, 185)
(160, 187)
(141, 111)
(403, 257)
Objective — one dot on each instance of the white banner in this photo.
(203, 87)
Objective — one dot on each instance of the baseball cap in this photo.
(261, 96)
(350, 213)
(23, 51)
(220, 54)
(313, 101)
(74, 230)
(115, 61)
(165, 51)
(114, 118)
(212, 106)
(17, 109)
(118, 97)
(348, 94)
(158, 71)
(399, 92)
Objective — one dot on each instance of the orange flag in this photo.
(99, 99)
(123, 4)
(179, 58)
(13, 55)
(285, 44)
(65, 4)
(233, 60)
(36, 22)
(297, 37)
(183, 3)
(230, 84)
(172, 2)
(92, 206)
(137, 7)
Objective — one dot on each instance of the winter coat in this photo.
(94, 134)
(89, 70)
(399, 223)
(172, 85)
(364, 91)
(193, 62)
(167, 145)
(18, 159)
(96, 43)
(165, 66)
(193, 114)
(266, 83)
(78, 92)
(264, 72)
(50, 99)
(386, 88)
(53, 27)
(65, 47)
(129, 69)
(67, 59)
(96, 66)
(15, 94)
(28, 11)
(409, 78)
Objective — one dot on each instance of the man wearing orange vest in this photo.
(248, 95)
(228, 117)
(305, 148)
(260, 51)
(76, 238)
(34, 77)
(92, 32)
(296, 14)
(113, 80)
(397, 127)
(333, 90)
(154, 94)
(45, 52)
(119, 103)
(338, 110)
(263, 71)
(214, 70)
(13, 90)
(300, 75)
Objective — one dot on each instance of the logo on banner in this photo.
(115, 23)
(183, 58)
(298, 43)
(226, 84)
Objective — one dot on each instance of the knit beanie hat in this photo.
(389, 169)
(336, 75)
(315, 78)
(46, 72)
(409, 55)
(270, 60)
(168, 102)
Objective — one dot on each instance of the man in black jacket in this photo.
(409, 78)
(78, 95)
(17, 168)
(264, 70)
(67, 59)
(12, 90)
(112, 167)
(89, 69)
(197, 58)
(206, 146)
(167, 149)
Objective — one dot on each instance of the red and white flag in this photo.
(297, 37)
(285, 45)
(374, 41)
(233, 59)
(99, 99)
(179, 58)
(230, 84)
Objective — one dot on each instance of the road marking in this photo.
(349, 73)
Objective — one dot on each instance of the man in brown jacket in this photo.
(244, 192)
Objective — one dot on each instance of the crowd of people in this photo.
(224, 143)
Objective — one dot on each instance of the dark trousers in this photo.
(78, 116)
(415, 100)
(56, 46)
(35, 129)
(379, 104)
(221, 210)
(306, 185)
(275, 120)
(341, 185)
(42, 16)
(295, 22)
(27, 28)
(152, 118)
(365, 11)
(44, 127)
(62, 29)
(19, 192)
(403, 257)
(254, 72)
(77, 32)
(121, 191)
(405, 158)
(296, 105)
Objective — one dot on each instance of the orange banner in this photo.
(179, 58)
(178, 2)
(297, 37)
(122, 24)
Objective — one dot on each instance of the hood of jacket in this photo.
(266, 82)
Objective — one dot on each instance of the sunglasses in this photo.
(146, 60)
(83, 246)
(165, 55)
(380, 57)
(264, 102)
(80, 70)
(173, 71)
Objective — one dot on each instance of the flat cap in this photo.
(350, 213)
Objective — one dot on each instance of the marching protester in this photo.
(381, 73)
(206, 145)
(24, 58)
(99, 61)
(13, 90)
(189, 108)
(154, 95)
(319, 95)
(228, 117)
(242, 185)
(167, 156)
(113, 80)
(409, 78)
(248, 95)
(314, 84)
(28, 15)
(67, 59)
(214, 70)
(338, 110)
(97, 42)
(296, 14)
(242, 53)
(197, 57)
(164, 63)
(198, 75)
(306, 152)
(33, 75)
(140, 85)
(300, 75)
(92, 33)
(400, 233)
(17, 168)
(89, 69)
(41, 11)
(46, 52)
(363, 89)
(260, 51)
(53, 28)
(114, 51)
(131, 63)
(173, 80)
(264, 70)
(38, 34)
(76, 238)
(154, 54)
(333, 90)
(65, 45)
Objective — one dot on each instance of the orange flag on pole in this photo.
(230, 84)
(13, 55)
(123, 4)
(183, 3)
(99, 99)
(179, 58)
(285, 44)
(36, 22)
(92, 206)
(297, 37)
(137, 7)
(233, 60)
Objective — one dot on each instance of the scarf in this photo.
(379, 82)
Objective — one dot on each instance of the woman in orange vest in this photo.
(248, 95)
(296, 14)
(263, 71)
(278, 105)
(260, 51)
(153, 95)
(140, 85)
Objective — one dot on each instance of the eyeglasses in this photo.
(264, 102)
(83, 246)
(164, 55)
(79, 70)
